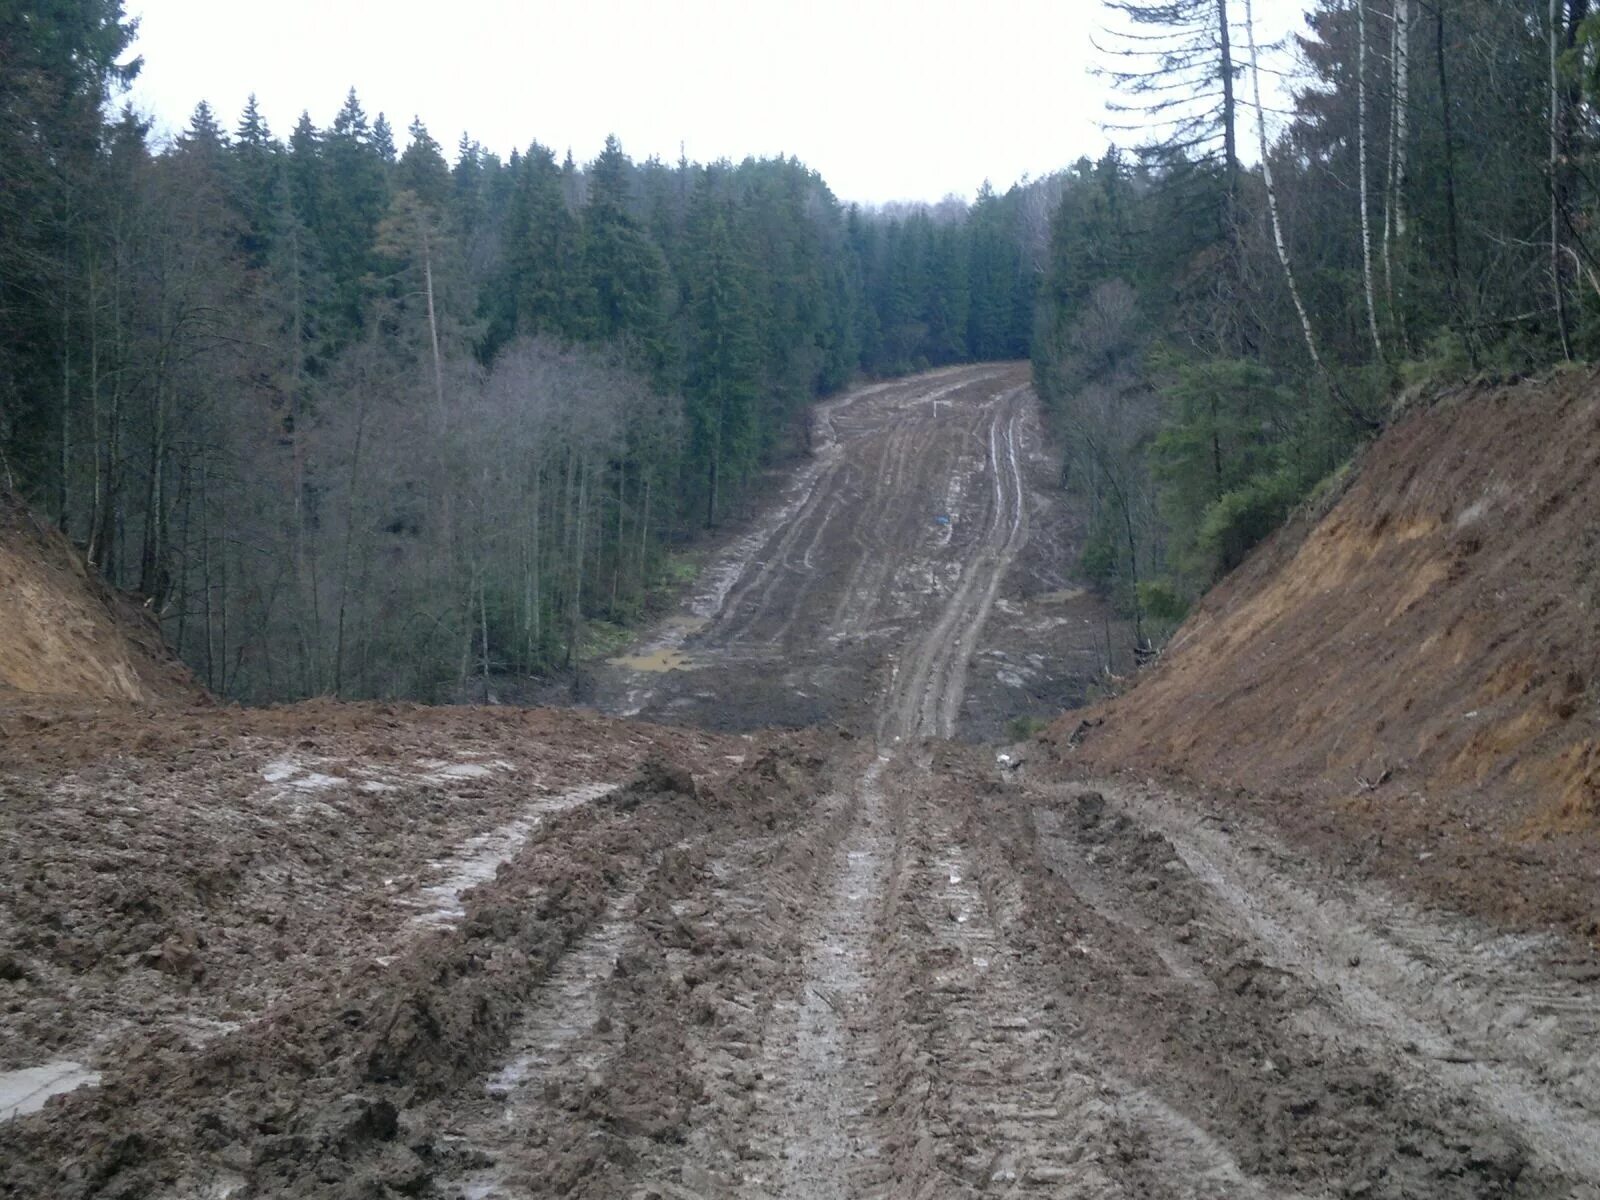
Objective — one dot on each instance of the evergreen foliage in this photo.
(1196, 406)
(362, 420)
(374, 420)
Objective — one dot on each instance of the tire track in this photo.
(1436, 999)
(925, 696)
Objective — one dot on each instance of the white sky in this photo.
(888, 99)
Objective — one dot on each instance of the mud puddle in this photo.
(483, 854)
(26, 1091)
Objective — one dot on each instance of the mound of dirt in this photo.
(1423, 657)
(65, 633)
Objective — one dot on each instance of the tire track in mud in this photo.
(828, 1107)
(834, 574)
(997, 1092)
(819, 1064)
(1203, 1032)
(558, 1043)
(1457, 1011)
(984, 1102)
(925, 693)
(906, 432)
(896, 519)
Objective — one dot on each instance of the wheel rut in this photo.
(819, 1064)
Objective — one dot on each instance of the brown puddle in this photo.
(666, 658)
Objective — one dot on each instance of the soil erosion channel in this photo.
(859, 960)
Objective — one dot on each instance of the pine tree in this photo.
(423, 170)
(1177, 65)
(353, 201)
(59, 66)
(257, 163)
(383, 140)
(541, 285)
(305, 171)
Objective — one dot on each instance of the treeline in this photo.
(1213, 341)
(372, 422)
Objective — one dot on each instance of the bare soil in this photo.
(383, 951)
(65, 633)
(1412, 677)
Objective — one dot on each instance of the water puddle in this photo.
(661, 659)
(25, 1091)
(480, 857)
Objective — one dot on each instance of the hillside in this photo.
(65, 633)
(1419, 664)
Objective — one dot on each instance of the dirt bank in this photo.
(1414, 674)
(65, 633)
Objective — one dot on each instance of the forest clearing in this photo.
(1080, 687)
(473, 952)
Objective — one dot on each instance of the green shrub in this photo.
(1236, 521)
(1445, 359)
(1162, 602)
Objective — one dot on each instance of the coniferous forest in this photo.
(370, 421)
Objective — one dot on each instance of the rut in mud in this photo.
(603, 959)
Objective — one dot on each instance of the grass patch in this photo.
(1026, 727)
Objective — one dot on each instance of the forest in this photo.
(1232, 309)
(372, 421)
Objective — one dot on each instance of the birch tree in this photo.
(1361, 142)
(1272, 200)
(1395, 181)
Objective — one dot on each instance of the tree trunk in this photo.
(1402, 104)
(1361, 158)
(1452, 238)
(1230, 143)
(63, 513)
(1394, 211)
(433, 321)
(1272, 200)
(97, 431)
(349, 542)
(1557, 282)
(153, 553)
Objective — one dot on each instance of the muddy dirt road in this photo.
(471, 954)
(876, 571)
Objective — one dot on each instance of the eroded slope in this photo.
(64, 633)
(1420, 662)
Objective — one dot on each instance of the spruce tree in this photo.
(721, 385)
(354, 198)
(625, 269)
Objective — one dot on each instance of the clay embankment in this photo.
(1415, 673)
(64, 633)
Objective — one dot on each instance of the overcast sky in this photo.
(888, 99)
